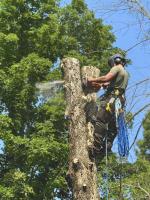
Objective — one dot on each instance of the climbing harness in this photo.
(108, 105)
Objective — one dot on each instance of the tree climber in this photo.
(104, 119)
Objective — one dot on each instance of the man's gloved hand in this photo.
(87, 82)
(93, 84)
(90, 80)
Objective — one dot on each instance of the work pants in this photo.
(104, 127)
(104, 122)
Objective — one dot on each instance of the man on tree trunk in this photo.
(104, 118)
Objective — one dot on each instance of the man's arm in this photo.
(102, 79)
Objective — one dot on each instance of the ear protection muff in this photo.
(116, 59)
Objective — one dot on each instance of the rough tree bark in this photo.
(82, 170)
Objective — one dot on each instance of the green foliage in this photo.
(144, 144)
(17, 188)
(40, 156)
(8, 47)
(84, 36)
(34, 35)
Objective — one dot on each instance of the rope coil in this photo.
(123, 141)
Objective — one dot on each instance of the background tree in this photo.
(34, 35)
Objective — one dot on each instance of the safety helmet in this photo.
(116, 59)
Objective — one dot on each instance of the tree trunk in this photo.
(82, 170)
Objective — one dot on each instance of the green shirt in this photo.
(121, 78)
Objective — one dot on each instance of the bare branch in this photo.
(146, 192)
(139, 111)
(140, 8)
(139, 83)
(139, 187)
(138, 130)
(137, 44)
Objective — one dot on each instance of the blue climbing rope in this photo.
(123, 141)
